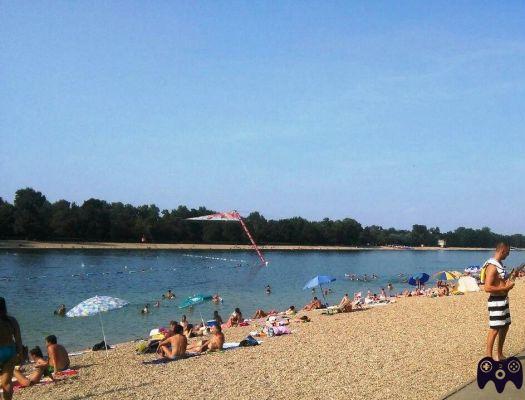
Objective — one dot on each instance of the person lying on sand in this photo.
(58, 357)
(216, 342)
(313, 305)
(346, 304)
(41, 369)
(174, 346)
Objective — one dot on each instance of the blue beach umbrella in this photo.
(319, 280)
(97, 305)
(195, 300)
(421, 277)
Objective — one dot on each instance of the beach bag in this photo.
(100, 346)
(249, 341)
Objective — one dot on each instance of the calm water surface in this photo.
(34, 283)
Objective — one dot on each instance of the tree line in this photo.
(33, 217)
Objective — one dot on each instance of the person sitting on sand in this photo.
(217, 318)
(236, 318)
(291, 311)
(346, 304)
(215, 343)
(57, 354)
(61, 310)
(184, 322)
(188, 331)
(313, 305)
(41, 369)
(175, 345)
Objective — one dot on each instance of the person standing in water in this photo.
(11, 349)
(498, 286)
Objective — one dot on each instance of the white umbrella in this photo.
(97, 305)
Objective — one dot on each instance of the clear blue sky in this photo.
(392, 113)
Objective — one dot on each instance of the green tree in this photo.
(7, 218)
(31, 215)
(64, 220)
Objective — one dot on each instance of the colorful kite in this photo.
(228, 217)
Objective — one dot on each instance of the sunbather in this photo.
(235, 319)
(291, 311)
(41, 369)
(313, 305)
(260, 314)
(58, 357)
(346, 304)
(216, 342)
(174, 346)
(188, 331)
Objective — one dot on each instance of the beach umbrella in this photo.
(421, 277)
(319, 280)
(447, 275)
(97, 305)
(195, 300)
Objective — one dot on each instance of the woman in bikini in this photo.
(41, 369)
(10, 349)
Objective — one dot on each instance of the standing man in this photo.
(498, 286)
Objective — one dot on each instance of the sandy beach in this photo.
(35, 245)
(417, 348)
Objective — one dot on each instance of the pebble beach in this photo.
(416, 348)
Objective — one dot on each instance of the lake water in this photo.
(34, 283)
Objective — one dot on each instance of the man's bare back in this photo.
(58, 357)
(174, 346)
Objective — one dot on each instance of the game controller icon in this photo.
(500, 372)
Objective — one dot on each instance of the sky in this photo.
(391, 113)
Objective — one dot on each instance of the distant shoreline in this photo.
(35, 245)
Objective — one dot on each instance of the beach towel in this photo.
(502, 272)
